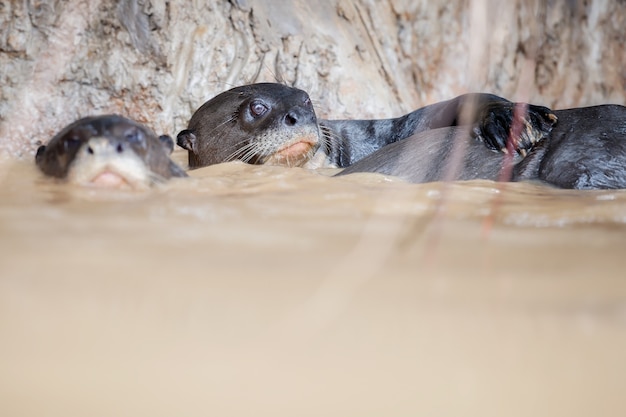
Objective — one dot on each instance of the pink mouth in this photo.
(108, 179)
(297, 149)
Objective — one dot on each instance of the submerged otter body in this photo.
(271, 123)
(108, 151)
(586, 149)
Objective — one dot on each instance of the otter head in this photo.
(108, 151)
(264, 123)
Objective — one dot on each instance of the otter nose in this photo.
(291, 118)
(99, 146)
(298, 115)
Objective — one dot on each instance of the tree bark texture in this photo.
(156, 61)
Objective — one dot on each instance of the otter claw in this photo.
(497, 124)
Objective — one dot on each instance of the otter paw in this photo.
(513, 127)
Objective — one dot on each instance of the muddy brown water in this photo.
(249, 290)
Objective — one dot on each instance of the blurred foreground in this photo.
(269, 291)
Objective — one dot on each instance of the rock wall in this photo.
(156, 61)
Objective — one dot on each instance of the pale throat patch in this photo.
(98, 163)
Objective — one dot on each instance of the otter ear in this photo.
(133, 135)
(167, 142)
(186, 139)
(39, 155)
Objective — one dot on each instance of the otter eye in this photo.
(258, 108)
(134, 137)
(70, 144)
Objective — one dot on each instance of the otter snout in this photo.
(299, 116)
(98, 147)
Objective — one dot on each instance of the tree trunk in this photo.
(156, 61)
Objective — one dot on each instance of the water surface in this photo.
(249, 290)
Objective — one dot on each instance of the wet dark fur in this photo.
(490, 116)
(586, 149)
(575, 148)
(225, 128)
(55, 158)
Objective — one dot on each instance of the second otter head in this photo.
(265, 123)
(108, 151)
